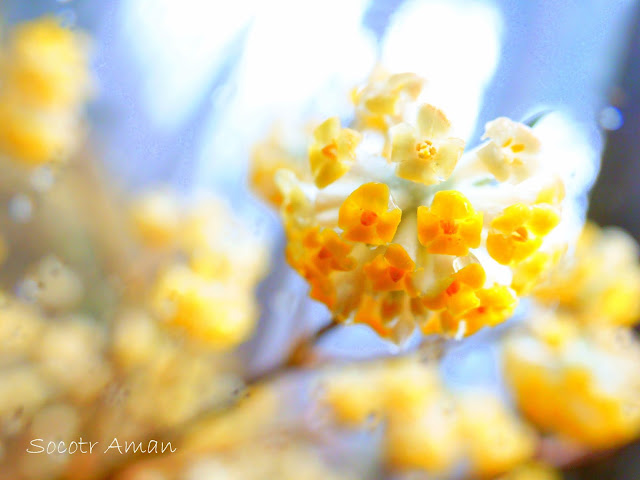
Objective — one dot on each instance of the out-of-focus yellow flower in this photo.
(206, 286)
(136, 339)
(359, 393)
(426, 437)
(519, 230)
(70, 353)
(354, 398)
(426, 154)
(22, 388)
(33, 136)
(450, 226)
(553, 194)
(510, 151)
(267, 158)
(210, 311)
(583, 386)
(44, 82)
(20, 329)
(369, 216)
(332, 151)
(497, 441)
(379, 102)
(425, 426)
(46, 64)
(254, 413)
(219, 246)
(53, 285)
(156, 218)
(422, 429)
(600, 282)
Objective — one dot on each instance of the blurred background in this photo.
(184, 88)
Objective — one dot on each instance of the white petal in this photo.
(494, 159)
(447, 156)
(403, 143)
(432, 122)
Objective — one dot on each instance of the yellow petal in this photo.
(544, 218)
(511, 218)
(327, 131)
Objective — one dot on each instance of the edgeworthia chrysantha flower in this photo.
(395, 226)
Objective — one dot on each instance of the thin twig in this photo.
(299, 355)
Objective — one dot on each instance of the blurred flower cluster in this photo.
(45, 83)
(132, 315)
(103, 336)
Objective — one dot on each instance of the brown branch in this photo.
(300, 355)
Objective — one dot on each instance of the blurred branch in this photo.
(299, 355)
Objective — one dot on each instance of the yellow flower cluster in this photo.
(69, 346)
(213, 264)
(393, 226)
(426, 427)
(55, 370)
(44, 83)
(600, 282)
(582, 384)
(574, 371)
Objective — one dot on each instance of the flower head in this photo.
(410, 247)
